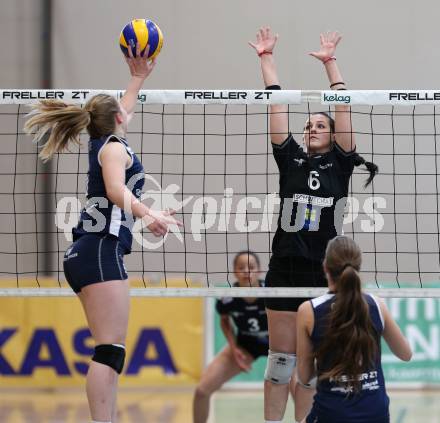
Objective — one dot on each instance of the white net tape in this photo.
(211, 146)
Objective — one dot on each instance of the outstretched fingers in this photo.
(254, 46)
(146, 51)
(337, 38)
(267, 32)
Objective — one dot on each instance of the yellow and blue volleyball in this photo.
(142, 31)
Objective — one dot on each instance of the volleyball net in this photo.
(207, 155)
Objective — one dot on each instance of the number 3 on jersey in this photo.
(313, 180)
(253, 325)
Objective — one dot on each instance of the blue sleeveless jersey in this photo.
(100, 216)
(332, 402)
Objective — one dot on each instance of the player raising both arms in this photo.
(313, 189)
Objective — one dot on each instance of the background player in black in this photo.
(249, 341)
(98, 275)
(313, 189)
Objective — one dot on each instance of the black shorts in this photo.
(256, 347)
(292, 272)
(94, 258)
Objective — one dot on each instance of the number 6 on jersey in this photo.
(313, 180)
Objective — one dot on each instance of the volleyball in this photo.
(142, 31)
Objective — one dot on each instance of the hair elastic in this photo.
(337, 83)
(345, 266)
(273, 87)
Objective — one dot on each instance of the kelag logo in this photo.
(44, 350)
(336, 98)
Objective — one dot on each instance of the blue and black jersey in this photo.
(334, 402)
(100, 216)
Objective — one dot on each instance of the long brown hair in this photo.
(63, 123)
(350, 338)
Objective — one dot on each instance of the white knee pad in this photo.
(279, 367)
(310, 385)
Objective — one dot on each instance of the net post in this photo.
(45, 170)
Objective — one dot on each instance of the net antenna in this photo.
(207, 154)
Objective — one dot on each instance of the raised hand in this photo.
(329, 41)
(140, 66)
(159, 221)
(265, 42)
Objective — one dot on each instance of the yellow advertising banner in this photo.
(45, 342)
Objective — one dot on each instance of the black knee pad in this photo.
(111, 355)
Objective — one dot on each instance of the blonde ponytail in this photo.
(59, 122)
(62, 123)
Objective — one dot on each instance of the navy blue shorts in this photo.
(313, 418)
(94, 258)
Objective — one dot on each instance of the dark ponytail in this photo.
(372, 168)
(350, 338)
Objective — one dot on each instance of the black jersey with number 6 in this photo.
(249, 318)
(313, 192)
